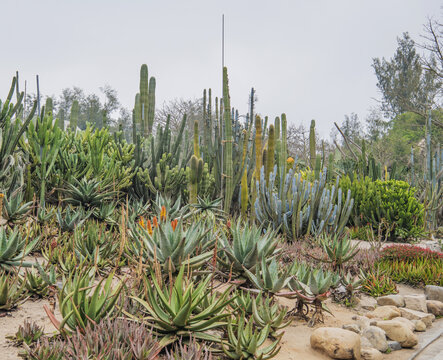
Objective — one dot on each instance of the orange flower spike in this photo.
(141, 222)
(163, 214)
(149, 227)
(174, 224)
(154, 220)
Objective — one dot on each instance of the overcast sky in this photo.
(310, 59)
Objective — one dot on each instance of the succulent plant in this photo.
(27, 333)
(71, 219)
(268, 277)
(105, 212)
(339, 250)
(245, 342)
(265, 312)
(45, 350)
(81, 302)
(12, 291)
(191, 350)
(38, 284)
(248, 247)
(13, 248)
(183, 308)
(87, 193)
(14, 209)
(169, 243)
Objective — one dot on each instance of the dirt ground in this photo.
(294, 346)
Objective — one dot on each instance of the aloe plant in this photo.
(339, 250)
(27, 333)
(71, 219)
(12, 291)
(269, 277)
(266, 313)
(183, 308)
(13, 248)
(247, 246)
(171, 244)
(81, 302)
(38, 284)
(14, 208)
(245, 342)
(190, 350)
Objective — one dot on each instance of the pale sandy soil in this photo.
(295, 342)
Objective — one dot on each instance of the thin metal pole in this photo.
(221, 127)
(38, 96)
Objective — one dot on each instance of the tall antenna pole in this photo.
(38, 96)
(221, 127)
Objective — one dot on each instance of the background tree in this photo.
(403, 83)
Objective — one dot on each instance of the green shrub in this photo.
(392, 201)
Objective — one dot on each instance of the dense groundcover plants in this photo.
(181, 244)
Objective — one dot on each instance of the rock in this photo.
(417, 315)
(407, 322)
(377, 338)
(365, 343)
(434, 292)
(419, 325)
(398, 331)
(362, 321)
(386, 312)
(416, 302)
(395, 300)
(371, 354)
(336, 343)
(435, 307)
(367, 303)
(394, 345)
(352, 327)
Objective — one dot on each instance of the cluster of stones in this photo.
(389, 326)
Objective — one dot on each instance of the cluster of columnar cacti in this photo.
(299, 207)
(144, 108)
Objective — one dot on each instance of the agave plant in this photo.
(38, 284)
(27, 333)
(183, 308)
(206, 207)
(12, 291)
(339, 250)
(248, 247)
(71, 219)
(265, 313)
(268, 277)
(13, 248)
(87, 193)
(170, 244)
(81, 302)
(245, 342)
(14, 209)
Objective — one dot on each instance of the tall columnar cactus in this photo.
(271, 152)
(61, 119)
(312, 152)
(195, 177)
(284, 151)
(228, 168)
(151, 104)
(196, 144)
(258, 147)
(146, 106)
(73, 119)
(48, 106)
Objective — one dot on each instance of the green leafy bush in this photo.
(392, 201)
